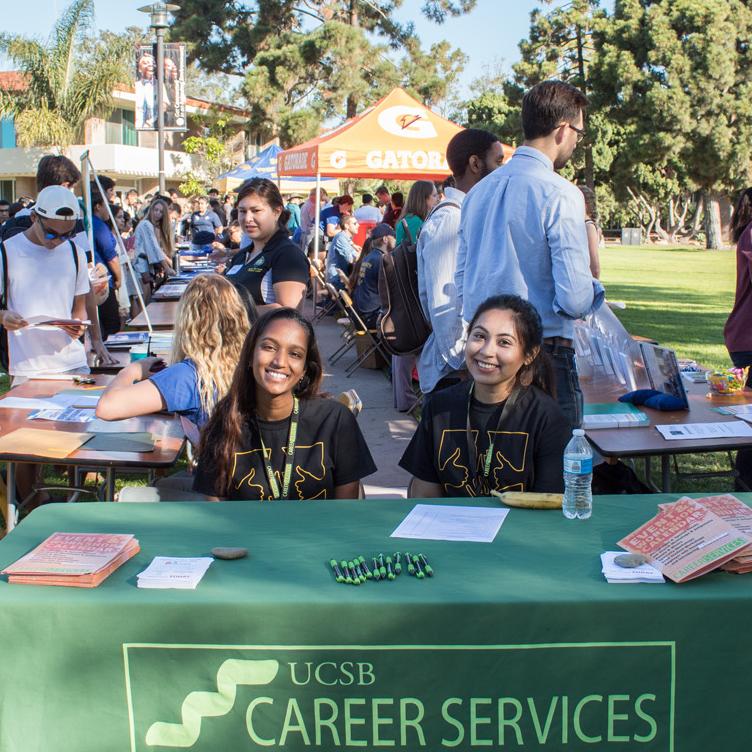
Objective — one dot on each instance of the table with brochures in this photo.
(169, 440)
(515, 644)
(647, 442)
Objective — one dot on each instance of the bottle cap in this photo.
(578, 432)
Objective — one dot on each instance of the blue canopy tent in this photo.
(264, 165)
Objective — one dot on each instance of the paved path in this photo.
(386, 430)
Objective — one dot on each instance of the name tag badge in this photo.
(234, 269)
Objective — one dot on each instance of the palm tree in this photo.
(64, 87)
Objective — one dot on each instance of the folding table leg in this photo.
(109, 485)
(11, 511)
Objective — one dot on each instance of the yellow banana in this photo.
(530, 499)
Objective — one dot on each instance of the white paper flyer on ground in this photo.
(451, 523)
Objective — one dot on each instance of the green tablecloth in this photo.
(518, 644)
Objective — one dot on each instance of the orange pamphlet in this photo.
(686, 540)
(73, 559)
(42, 443)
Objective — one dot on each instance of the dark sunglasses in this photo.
(52, 235)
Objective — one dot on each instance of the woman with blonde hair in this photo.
(211, 326)
(154, 246)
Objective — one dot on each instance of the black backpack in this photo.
(4, 358)
(404, 327)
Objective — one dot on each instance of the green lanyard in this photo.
(488, 454)
(289, 456)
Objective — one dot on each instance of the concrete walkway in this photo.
(386, 430)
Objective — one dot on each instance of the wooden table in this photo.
(647, 441)
(161, 313)
(166, 429)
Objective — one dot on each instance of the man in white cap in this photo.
(43, 273)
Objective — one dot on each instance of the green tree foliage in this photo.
(70, 78)
(306, 60)
(678, 77)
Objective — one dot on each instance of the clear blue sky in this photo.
(487, 35)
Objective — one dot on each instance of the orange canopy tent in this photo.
(396, 138)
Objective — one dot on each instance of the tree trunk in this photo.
(589, 169)
(697, 218)
(713, 236)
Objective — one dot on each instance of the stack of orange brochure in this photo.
(73, 559)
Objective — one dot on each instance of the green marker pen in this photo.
(389, 572)
(337, 571)
(426, 566)
(356, 576)
(348, 576)
(364, 566)
(382, 568)
(410, 565)
(397, 565)
(359, 570)
(376, 572)
(418, 569)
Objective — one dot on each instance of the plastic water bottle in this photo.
(578, 477)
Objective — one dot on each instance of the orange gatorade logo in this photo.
(406, 121)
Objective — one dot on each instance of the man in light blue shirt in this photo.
(342, 252)
(523, 232)
(472, 154)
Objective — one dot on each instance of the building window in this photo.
(130, 135)
(113, 128)
(7, 190)
(7, 133)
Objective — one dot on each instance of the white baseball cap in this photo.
(57, 202)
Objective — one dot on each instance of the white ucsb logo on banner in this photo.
(408, 122)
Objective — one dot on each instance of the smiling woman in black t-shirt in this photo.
(273, 269)
(501, 429)
(272, 436)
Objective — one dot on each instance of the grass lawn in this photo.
(680, 297)
(677, 296)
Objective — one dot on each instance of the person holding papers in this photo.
(273, 436)
(500, 430)
(211, 325)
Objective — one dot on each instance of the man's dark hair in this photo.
(213, 190)
(96, 198)
(472, 142)
(449, 182)
(382, 189)
(4, 202)
(367, 198)
(55, 169)
(176, 208)
(398, 199)
(106, 183)
(547, 105)
(132, 192)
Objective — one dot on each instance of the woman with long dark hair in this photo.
(738, 329)
(502, 429)
(271, 267)
(273, 436)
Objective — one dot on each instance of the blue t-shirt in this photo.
(341, 254)
(366, 295)
(329, 216)
(105, 246)
(203, 227)
(178, 385)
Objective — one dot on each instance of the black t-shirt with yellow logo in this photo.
(330, 451)
(528, 448)
(280, 261)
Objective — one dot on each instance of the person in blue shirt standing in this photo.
(523, 232)
(342, 252)
(366, 298)
(106, 252)
(205, 226)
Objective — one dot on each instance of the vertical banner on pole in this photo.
(173, 88)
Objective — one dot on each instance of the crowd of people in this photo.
(506, 265)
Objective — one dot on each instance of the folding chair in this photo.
(361, 330)
(350, 332)
(326, 308)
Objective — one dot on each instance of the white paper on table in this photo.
(171, 572)
(65, 415)
(79, 398)
(29, 403)
(740, 411)
(729, 429)
(646, 573)
(451, 523)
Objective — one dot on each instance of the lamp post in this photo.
(159, 15)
